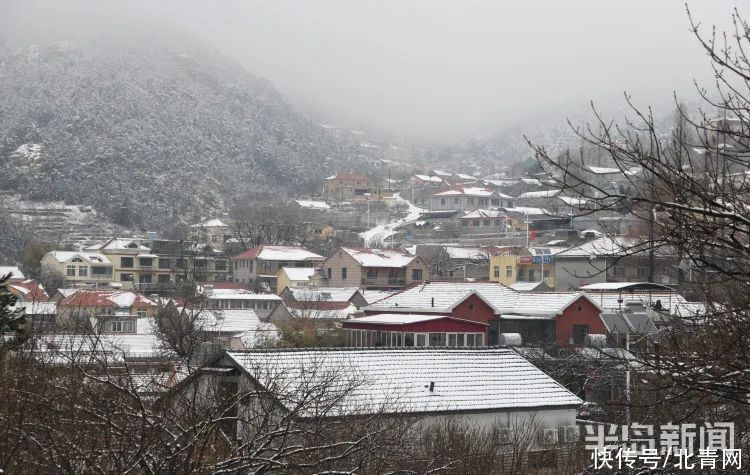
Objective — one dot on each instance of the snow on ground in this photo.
(377, 235)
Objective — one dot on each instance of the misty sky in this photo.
(435, 69)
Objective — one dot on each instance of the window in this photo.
(465, 222)
(496, 272)
(329, 272)
(643, 272)
(167, 263)
(141, 313)
(126, 262)
(372, 273)
(452, 339)
(475, 223)
(416, 274)
(456, 201)
(442, 201)
(126, 277)
(145, 278)
(163, 278)
(76, 259)
(495, 202)
(469, 339)
(121, 326)
(408, 339)
(214, 238)
(343, 273)
(619, 271)
(521, 273)
(145, 262)
(421, 339)
(546, 273)
(508, 271)
(579, 334)
(101, 271)
(83, 271)
(531, 275)
(437, 339)
(70, 271)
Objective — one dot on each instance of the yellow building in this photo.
(504, 266)
(521, 264)
(293, 277)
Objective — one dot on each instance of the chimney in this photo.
(432, 386)
(433, 301)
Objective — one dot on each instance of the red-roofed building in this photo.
(262, 263)
(113, 311)
(28, 291)
(348, 186)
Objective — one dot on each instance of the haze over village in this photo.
(374, 237)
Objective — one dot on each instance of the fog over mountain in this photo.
(430, 70)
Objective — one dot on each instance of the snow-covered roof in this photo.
(14, 271)
(229, 321)
(625, 286)
(442, 297)
(525, 286)
(431, 179)
(531, 181)
(279, 253)
(473, 191)
(107, 298)
(89, 257)
(539, 194)
(475, 253)
(117, 244)
(310, 204)
(298, 273)
(406, 380)
(39, 308)
(571, 201)
(211, 223)
(239, 294)
(323, 294)
(60, 348)
(372, 296)
(401, 319)
(603, 246)
(484, 213)
(379, 257)
(464, 176)
(526, 210)
(603, 170)
(615, 300)
(321, 310)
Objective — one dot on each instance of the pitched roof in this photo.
(117, 244)
(90, 257)
(379, 257)
(106, 298)
(29, 290)
(229, 321)
(211, 223)
(442, 297)
(310, 204)
(323, 294)
(406, 381)
(472, 191)
(239, 294)
(298, 273)
(603, 246)
(322, 310)
(14, 271)
(484, 213)
(405, 319)
(279, 253)
(539, 194)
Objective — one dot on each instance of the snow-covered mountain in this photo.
(150, 131)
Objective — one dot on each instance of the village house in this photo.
(237, 299)
(213, 232)
(78, 269)
(562, 319)
(259, 265)
(612, 259)
(291, 277)
(28, 290)
(351, 295)
(372, 269)
(470, 198)
(134, 264)
(108, 311)
(348, 186)
(509, 394)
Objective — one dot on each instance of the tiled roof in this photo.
(118, 244)
(299, 273)
(404, 319)
(442, 297)
(539, 194)
(229, 321)
(379, 257)
(279, 253)
(106, 298)
(399, 381)
(324, 294)
(14, 271)
(29, 290)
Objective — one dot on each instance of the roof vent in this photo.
(432, 386)
(433, 301)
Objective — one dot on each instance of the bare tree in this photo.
(272, 224)
(690, 186)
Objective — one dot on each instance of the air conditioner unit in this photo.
(568, 434)
(548, 437)
(504, 435)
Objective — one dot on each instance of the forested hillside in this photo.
(150, 131)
